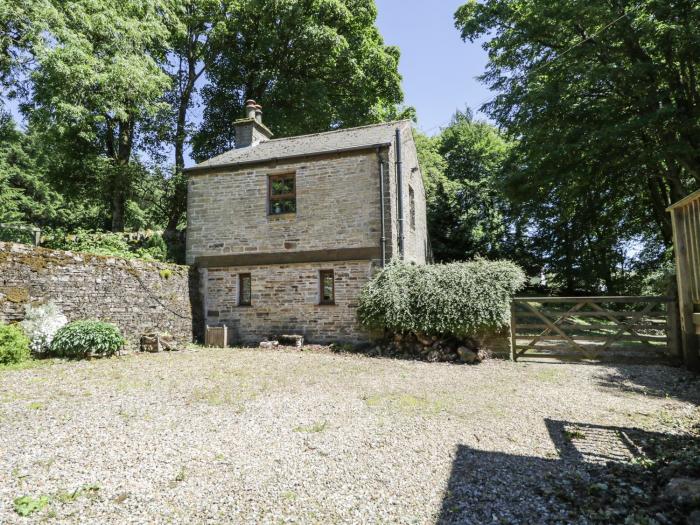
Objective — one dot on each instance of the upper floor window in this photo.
(244, 293)
(327, 284)
(282, 195)
(412, 206)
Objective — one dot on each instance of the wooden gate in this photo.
(590, 326)
(685, 216)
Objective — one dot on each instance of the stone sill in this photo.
(281, 216)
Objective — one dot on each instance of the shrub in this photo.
(84, 338)
(41, 324)
(142, 245)
(14, 345)
(456, 299)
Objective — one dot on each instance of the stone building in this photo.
(286, 232)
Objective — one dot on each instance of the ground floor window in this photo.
(244, 282)
(327, 284)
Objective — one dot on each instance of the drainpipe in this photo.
(382, 239)
(399, 190)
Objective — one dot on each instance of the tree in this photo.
(97, 77)
(463, 169)
(314, 65)
(603, 100)
(195, 29)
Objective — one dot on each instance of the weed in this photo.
(289, 495)
(573, 434)
(318, 426)
(85, 490)
(37, 405)
(181, 475)
(26, 505)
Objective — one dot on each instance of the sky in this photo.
(439, 69)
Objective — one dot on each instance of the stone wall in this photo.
(285, 299)
(137, 296)
(415, 237)
(337, 200)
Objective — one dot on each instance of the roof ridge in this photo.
(377, 124)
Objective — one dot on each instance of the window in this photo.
(282, 195)
(327, 291)
(412, 207)
(244, 281)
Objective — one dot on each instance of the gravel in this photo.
(283, 436)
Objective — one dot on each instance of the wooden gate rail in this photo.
(560, 329)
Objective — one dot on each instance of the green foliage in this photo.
(602, 99)
(14, 344)
(313, 66)
(464, 167)
(458, 299)
(27, 505)
(84, 338)
(142, 245)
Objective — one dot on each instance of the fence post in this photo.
(513, 331)
(683, 276)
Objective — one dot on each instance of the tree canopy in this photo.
(107, 88)
(602, 105)
(314, 65)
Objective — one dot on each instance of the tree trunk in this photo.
(178, 201)
(120, 175)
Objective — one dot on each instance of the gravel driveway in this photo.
(280, 436)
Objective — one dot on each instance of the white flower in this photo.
(41, 323)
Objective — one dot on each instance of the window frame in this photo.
(412, 206)
(241, 277)
(321, 275)
(283, 196)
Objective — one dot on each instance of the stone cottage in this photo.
(286, 232)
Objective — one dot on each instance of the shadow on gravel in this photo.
(602, 474)
(658, 381)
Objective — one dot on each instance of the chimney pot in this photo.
(258, 113)
(250, 108)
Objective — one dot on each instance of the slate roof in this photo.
(303, 145)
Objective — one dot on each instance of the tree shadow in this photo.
(595, 477)
(658, 381)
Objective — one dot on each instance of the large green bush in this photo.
(84, 338)
(456, 299)
(14, 345)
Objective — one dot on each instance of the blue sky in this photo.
(439, 69)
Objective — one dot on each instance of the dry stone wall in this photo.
(137, 296)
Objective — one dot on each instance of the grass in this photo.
(29, 363)
(406, 403)
(318, 426)
(548, 375)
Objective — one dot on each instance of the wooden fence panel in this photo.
(685, 216)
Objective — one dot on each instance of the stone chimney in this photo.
(250, 131)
